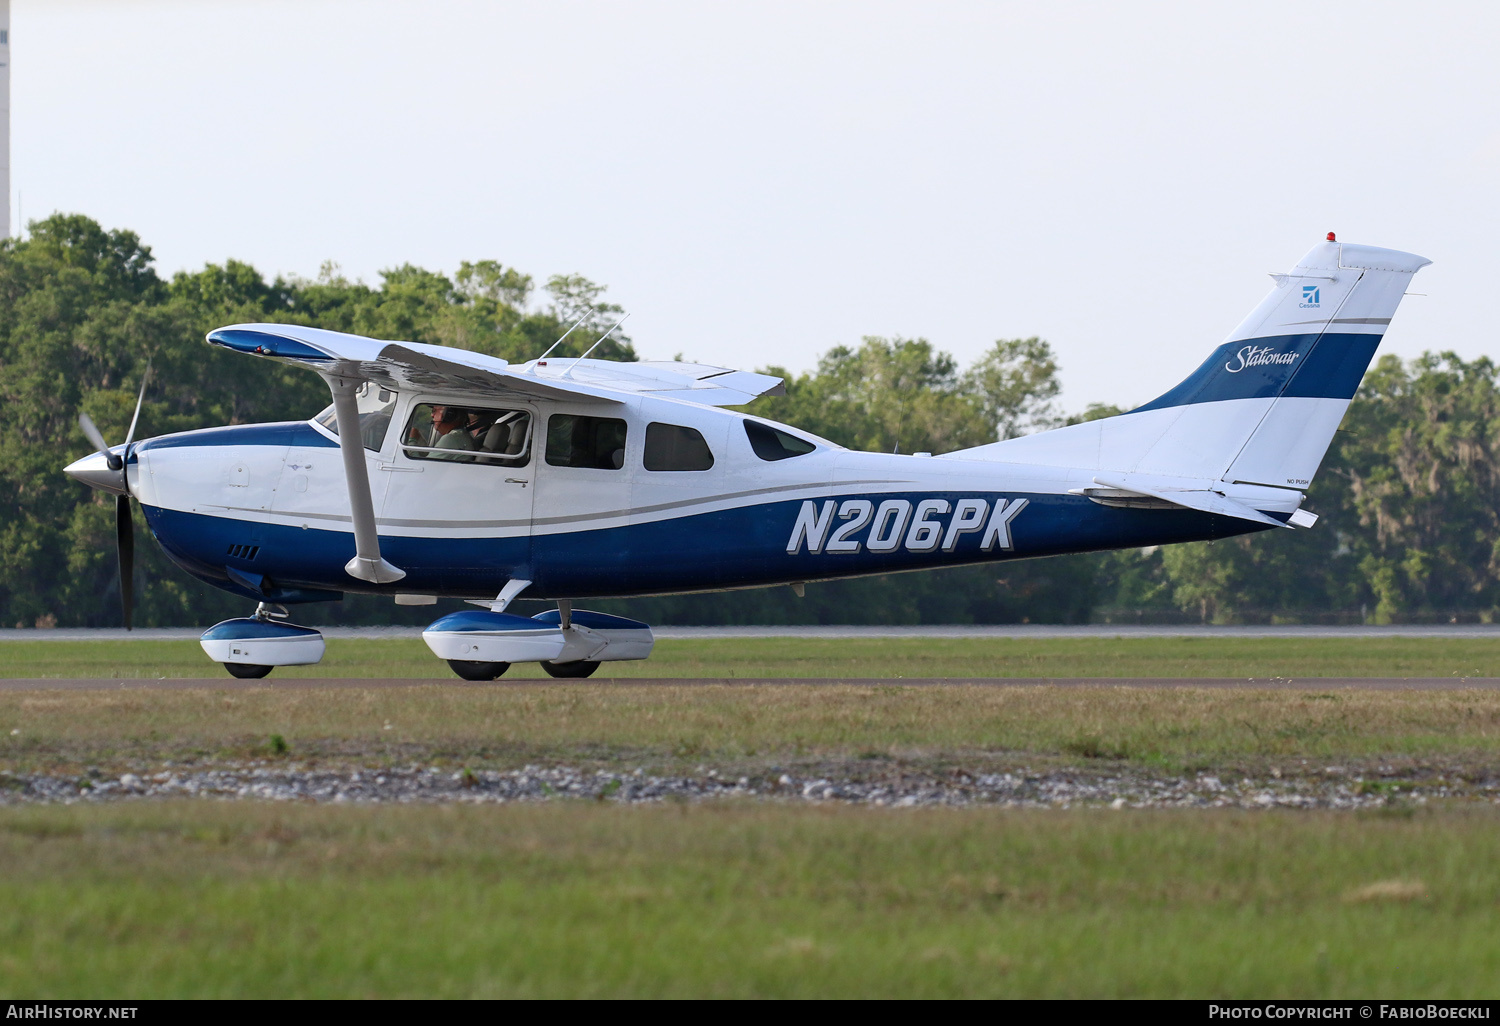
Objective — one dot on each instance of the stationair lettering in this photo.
(1258, 356)
(835, 528)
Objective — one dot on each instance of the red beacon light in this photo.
(1331, 238)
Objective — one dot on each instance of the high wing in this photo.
(396, 364)
(668, 379)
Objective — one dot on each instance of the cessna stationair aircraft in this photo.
(441, 472)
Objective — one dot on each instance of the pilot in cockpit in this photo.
(450, 431)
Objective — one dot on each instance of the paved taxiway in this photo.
(1017, 630)
(309, 683)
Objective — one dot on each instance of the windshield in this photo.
(376, 405)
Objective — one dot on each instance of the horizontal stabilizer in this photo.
(1204, 498)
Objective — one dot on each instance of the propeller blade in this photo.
(97, 440)
(130, 435)
(125, 541)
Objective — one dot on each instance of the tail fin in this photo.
(1262, 409)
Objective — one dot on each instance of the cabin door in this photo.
(459, 496)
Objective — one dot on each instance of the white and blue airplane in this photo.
(441, 472)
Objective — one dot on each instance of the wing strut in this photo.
(367, 564)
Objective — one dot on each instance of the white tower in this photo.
(4, 119)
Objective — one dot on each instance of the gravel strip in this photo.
(1021, 789)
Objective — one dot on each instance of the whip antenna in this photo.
(591, 348)
(565, 334)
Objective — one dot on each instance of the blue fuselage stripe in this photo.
(741, 547)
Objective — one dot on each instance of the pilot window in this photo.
(468, 434)
(376, 406)
(574, 441)
(771, 445)
(670, 447)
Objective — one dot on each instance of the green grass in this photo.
(750, 726)
(818, 657)
(246, 900)
(216, 899)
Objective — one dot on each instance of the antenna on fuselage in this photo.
(591, 348)
(565, 334)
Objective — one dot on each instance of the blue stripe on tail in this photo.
(1326, 366)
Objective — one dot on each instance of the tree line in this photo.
(1409, 494)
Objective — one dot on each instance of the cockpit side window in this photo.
(671, 447)
(468, 434)
(376, 407)
(578, 441)
(771, 444)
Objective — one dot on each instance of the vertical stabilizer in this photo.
(1262, 409)
(1365, 285)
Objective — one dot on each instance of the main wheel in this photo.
(247, 671)
(580, 668)
(478, 671)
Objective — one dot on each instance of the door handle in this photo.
(517, 480)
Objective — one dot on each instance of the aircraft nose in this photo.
(94, 471)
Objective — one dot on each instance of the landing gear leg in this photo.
(271, 611)
(578, 667)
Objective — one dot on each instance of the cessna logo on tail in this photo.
(1256, 356)
(900, 523)
(1309, 297)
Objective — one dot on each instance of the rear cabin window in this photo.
(575, 441)
(468, 434)
(671, 447)
(771, 445)
(376, 407)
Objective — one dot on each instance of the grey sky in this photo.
(759, 181)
